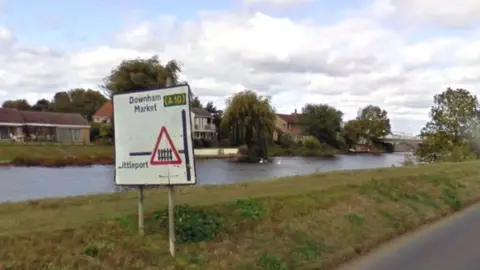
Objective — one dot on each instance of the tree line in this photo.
(83, 101)
(249, 119)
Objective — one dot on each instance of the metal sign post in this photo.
(171, 220)
(153, 144)
(140, 211)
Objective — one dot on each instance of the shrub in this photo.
(206, 143)
(191, 224)
(252, 208)
(312, 143)
(197, 143)
(225, 143)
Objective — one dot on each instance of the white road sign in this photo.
(153, 142)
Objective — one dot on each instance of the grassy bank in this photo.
(56, 155)
(301, 151)
(306, 222)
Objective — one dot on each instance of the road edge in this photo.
(356, 260)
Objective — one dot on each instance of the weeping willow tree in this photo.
(249, 119)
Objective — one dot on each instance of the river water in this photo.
(22, 183)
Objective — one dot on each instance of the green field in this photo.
(306, 222)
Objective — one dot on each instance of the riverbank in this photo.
(57, 155)
(315, 221)
(301, 151)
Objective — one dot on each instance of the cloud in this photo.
(454, 14)
(348, 62)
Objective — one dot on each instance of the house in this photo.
(43, 126)
(203, 126)
(288, 124)
(104, 113)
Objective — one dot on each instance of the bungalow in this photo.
(43, 126)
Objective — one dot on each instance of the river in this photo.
(22, 183)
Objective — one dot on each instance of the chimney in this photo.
(295, 112)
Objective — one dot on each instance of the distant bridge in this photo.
(402, 142)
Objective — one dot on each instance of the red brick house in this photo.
(43, 126)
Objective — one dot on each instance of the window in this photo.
(76, 134)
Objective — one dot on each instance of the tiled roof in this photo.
(292, 118)
(105, 111)
(289, 118)
(34, 117)
(10, 116)
(201, 112)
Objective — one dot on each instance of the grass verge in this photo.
(315, 221)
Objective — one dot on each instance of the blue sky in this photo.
(74, 24)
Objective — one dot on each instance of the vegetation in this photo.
(307, 222)
(322, 122)
(83, 101)
(141, 74)
(452, 132)
(59, 155)
(250, 119)
(54, 155)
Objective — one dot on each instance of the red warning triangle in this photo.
(165, 156)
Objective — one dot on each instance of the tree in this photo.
(19, 104)
(452, 126)
(141, 74)
(42, 105)
(195, 103)
(374, 122)
(352, 132)
(250, 120)
(86, 101)
(61, 103)
(322, 122)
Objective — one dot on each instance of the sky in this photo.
(396, 54)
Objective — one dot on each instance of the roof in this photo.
(289, 118)
(10, 116)
(105, 111)
(201, 112)
(292, 118)
(49, 118)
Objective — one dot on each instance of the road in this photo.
(451, 244)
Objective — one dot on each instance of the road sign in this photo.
(164, 153)
(153, 142)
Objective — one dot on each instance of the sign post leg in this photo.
(171, 220)
(140, 210)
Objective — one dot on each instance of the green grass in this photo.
(303, 222)
(9, 151)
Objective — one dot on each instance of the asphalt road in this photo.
(451, 244)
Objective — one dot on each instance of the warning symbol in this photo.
(167, 154)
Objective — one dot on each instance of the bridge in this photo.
(402, 142)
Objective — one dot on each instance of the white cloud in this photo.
(349, 63)
(457, 14)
